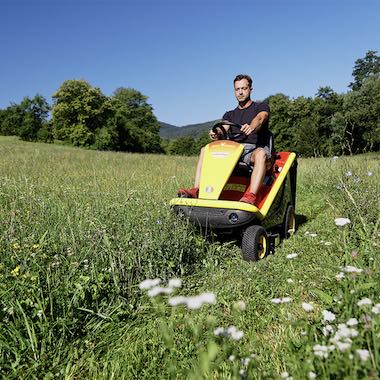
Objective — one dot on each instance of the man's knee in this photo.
(259, 157)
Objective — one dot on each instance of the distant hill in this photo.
(168, 131)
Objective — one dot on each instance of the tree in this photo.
(357, 125)
(183, 146)
(133, 123)
(79, 111)
(11, 120)
(364, 68)
(25, 119)
(280, 122)
(35, 112)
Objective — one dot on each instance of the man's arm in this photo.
(256, 123)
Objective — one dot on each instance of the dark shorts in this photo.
(249, 148)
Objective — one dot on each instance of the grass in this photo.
(81, 229)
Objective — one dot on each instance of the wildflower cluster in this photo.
(230, 332)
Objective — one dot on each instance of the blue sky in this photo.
(184, 54)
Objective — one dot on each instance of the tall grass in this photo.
(81, 229)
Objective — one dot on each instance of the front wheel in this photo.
(255, 243)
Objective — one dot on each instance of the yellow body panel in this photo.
(219, 160)
(214, 203)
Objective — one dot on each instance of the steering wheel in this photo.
(227, 135)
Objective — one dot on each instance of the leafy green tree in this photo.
(25, 119)
(35, 112)
(364, 68)
(357, 125)
(325, 105)
(280, 122)
(132, 123)
(79, 111)
(202, 140)
(12, 119)
(183, 146)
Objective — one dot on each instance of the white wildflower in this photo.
(334, 158)
(343, 346)
(291, 256)
(369, 174)
(352, 322)
(351, 269)
(231, 358)
(363, 354)
(376, 309)
(240, 305)
(245, 361)
(328, 330)
(328, 243)
(281, 300)
(148, 284)
(307, 307)
(285, 375)
(157, 290)
(219, 331)
(322, 351)
(175, 283)
(364, 301)
(197, 301)
(231, 332)
(328, 316)
(312, 375)
(339, 276)
(341, 222)
(234, 333)
(290, 281)
(179, 300)
(313, 235)
(349, 173)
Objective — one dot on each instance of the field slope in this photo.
(80, 230)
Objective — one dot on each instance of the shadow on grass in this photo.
(300, 220)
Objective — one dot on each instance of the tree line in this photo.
(326, 124)
(83, 116)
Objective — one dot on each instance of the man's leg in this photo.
(261, 162)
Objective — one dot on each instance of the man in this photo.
(255, 137)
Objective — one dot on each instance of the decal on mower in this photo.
(220, 154)
(209, 189)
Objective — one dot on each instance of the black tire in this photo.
(255, 243)
(289, 226)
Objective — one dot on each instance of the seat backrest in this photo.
(271, 141)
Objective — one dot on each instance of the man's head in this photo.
(243, 88)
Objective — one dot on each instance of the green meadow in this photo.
(81, 229)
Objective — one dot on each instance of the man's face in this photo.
(242, 90)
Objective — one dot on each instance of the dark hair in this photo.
(244, 76)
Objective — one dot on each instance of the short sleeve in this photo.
(263, 107)
(227, 116)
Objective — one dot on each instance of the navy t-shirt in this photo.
(245, 116)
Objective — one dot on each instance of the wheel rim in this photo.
(262, 247)
(291, 228)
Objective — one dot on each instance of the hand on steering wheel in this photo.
(223, 134)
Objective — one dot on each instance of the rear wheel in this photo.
(289, 225)
(255, 243)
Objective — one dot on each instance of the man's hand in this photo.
(247, 129)
(214, 136)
